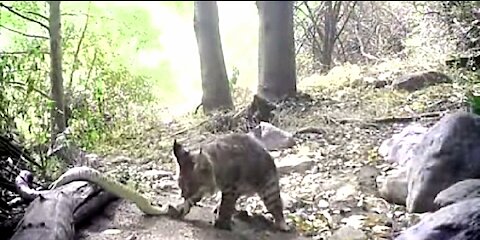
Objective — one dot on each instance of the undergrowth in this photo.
(149, 137)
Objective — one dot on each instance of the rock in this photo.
(416, 81)
(458, 221)
(449, 152)
(156, 174)
(348, 233)
(459, 191)
(394, 188)
(293, 164)
(111, 231)
(272, 137)
(344, 192)
(376, 83)
(367, 175)
(288, 201)
(399, 148)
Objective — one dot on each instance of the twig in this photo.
(310, 130)
(23, 34)
(198, 107)
(22, 52)
(346, 20)
(92, 65)
(188, 128)
(242, 111)
(391, 119)
(408, 118)
(39, 15)
(10, 9)
(77, 51)
(34, 89)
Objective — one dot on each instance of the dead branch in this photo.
(198, 107)
(391, 119)
(22, 52)
(38, 15)
(188, 128)
(408, 118)
(313, 30)
(73, 14)
(342, 47)
(362, 47)
(10, 9)
(24, 86)
(33, 69)
(239, 113)
(310, 130)
(23, 34)
(92, 64)
(77, 51)
(346, 20)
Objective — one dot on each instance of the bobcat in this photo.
(236, 164)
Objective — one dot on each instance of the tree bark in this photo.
(331, 20)
(216, 90)
(56, 78)
(276, 56)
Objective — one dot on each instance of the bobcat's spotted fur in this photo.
(236, 164)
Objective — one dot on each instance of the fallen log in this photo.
(55, 214)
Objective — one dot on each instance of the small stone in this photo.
(132, 237)
(323, 203)
(348, 233)
(380, 229)
(288, 201)
(156, 173)
(112, 231)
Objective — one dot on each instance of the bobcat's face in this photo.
(195, 174)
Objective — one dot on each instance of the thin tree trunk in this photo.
(56, 78)
(216, 90)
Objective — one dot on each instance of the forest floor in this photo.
(328, 179)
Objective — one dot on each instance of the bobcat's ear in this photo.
(181, 154)
(256, 98)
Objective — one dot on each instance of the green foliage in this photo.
(474, 103)
(472, 94)
(102, 88)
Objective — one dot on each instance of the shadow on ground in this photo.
(123, 220)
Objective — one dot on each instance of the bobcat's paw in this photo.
(223, 224)
(283, 227)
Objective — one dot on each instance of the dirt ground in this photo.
(125, 221)
(328, 178)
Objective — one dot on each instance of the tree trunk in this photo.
(331, 14)
(216, 91)
(56, 78)
(276, 56)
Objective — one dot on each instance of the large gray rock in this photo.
(399, 148)
(459, 191)
(449, 152)
(273, 137)
(459, 221)
(416, 81)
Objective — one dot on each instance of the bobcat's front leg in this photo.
(226, 210)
